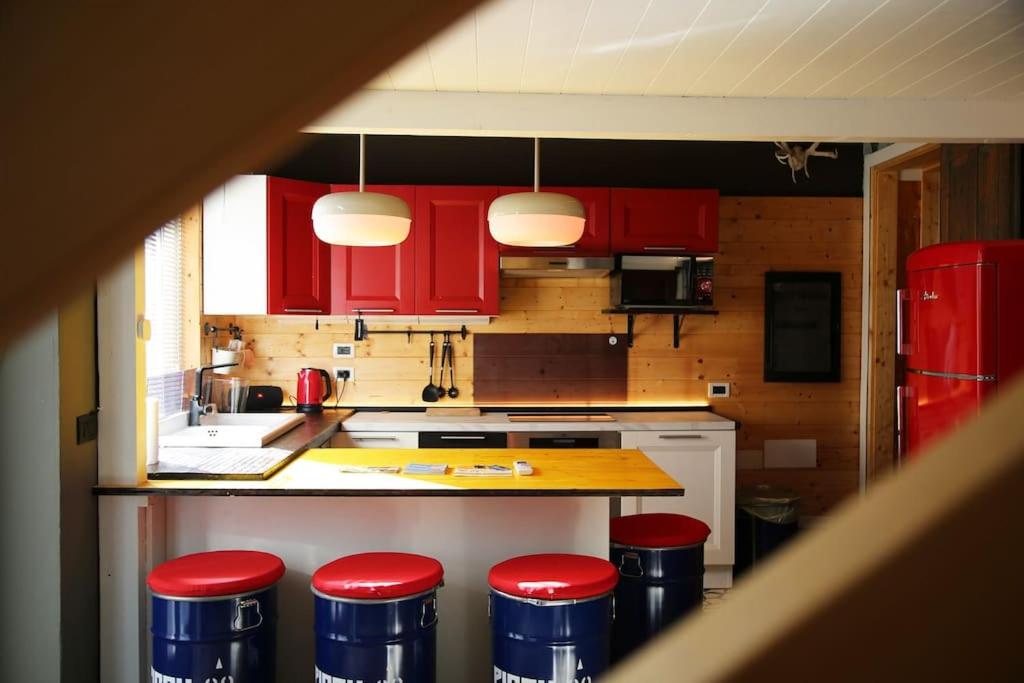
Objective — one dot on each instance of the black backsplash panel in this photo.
(734, 168)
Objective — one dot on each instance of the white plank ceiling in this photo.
(949, 49)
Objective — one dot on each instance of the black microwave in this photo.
(646, 281)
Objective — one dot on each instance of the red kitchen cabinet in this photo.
(456, 257)
(596, 240)
(298, 264)
(664, 221)
(376, 280)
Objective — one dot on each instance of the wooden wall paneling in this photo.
(882, 322)
(980, 192)
(930, 193)
(237, 97)
(192, 285)
(756, 235)
(998, 207)
(959, 203)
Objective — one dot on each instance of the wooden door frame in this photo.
(881, 183)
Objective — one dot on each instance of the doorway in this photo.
(904, 217)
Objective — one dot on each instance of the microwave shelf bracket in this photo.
(678, 318)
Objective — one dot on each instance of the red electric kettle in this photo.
(313, 388)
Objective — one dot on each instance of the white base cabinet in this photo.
(375, 440)
(705, 464)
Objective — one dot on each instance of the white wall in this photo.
(30, 507)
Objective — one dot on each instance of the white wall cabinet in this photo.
(375, 440)
(705, 464)
(235, 247)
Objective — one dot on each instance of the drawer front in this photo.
(374, 440)
(679, 439)
(463, 440)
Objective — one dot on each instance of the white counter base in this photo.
(468, 536)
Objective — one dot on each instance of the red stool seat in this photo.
(374, 576)
(216, 573)
(556, 576)
(658, 530)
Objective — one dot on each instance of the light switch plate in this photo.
(718, 390)
(344, 350)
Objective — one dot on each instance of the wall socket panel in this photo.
(344, 350)
(351, 373)
(718, 390)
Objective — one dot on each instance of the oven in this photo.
(645, 281)
(595, 439)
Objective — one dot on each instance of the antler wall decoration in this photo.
(797, 157)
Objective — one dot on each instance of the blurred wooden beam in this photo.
(117, 115)
(919, 580)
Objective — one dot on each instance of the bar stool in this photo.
(551, 617)
(214, 616)
(376, 618)
(660, 561)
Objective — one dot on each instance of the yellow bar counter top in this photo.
(596, 472)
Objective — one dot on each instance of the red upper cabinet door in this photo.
(596, 240)
(664, 221)
(375, 280)
(298, 264)
(456, 257)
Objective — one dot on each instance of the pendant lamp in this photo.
(536, 219)
(361, 219)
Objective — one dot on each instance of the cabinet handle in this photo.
(374, 438)
(664, 248)
(680, 436)
(445, 437)
(374, 310)
(457, 310)
(303, 310)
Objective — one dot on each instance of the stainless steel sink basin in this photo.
(229, 430)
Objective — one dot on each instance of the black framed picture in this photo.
(802, 315)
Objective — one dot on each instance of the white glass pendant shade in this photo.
(536, 219)
(361, 219)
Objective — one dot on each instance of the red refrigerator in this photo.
(960, 327)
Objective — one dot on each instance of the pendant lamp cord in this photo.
(362, 162)
(536, 164)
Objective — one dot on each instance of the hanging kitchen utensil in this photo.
(445, 348)
(430, 393)
(453, 391)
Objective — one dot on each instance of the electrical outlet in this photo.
(718, 390)
(344, 350)
(342, 374)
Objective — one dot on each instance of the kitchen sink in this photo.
(227, 430)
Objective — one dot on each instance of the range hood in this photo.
(556, 266)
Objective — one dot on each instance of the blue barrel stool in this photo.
(660, 559)
(551, 617)
(214, 616)
(376, 618)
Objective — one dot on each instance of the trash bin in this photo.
(214, 616)
(766, 518)
(551, 617)
(375, 618)
(660, 558)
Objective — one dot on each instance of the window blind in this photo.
(165, 313)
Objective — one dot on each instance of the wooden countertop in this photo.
(560, 472)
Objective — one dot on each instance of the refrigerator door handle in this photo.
(901, 424)
(902, 344)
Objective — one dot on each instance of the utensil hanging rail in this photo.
(363, 331)
(234, 330)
